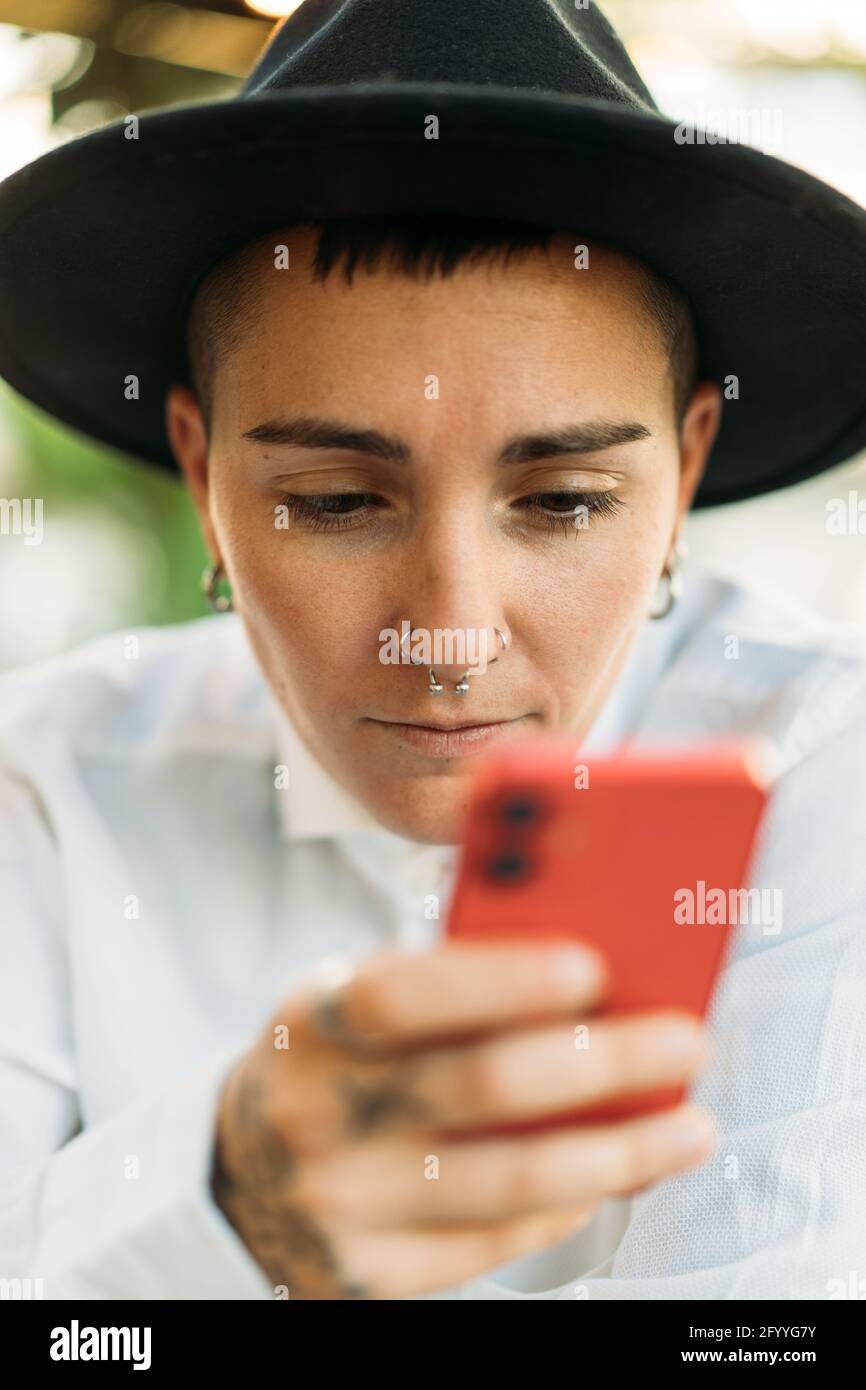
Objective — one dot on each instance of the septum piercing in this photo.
(435, 686)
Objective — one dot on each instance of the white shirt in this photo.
(159, 896)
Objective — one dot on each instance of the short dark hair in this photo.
(223, 305)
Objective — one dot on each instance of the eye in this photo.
(567, 509)
(329, 511)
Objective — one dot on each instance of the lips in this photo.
(445, 728)
(449, 740)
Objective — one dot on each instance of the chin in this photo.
(432, 813)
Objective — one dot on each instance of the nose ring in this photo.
(462, 687)
(411, 659)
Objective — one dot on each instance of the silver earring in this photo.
(672, 575)
(211, 576)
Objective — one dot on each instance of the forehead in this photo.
(541, 323)
(274, 278)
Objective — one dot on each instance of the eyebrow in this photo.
(312, 432)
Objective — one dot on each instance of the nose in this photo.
(452, 617)
(453, 654)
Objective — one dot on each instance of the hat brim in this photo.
(105, 239)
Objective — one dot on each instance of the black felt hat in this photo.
(540, 116)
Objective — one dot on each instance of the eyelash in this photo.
(304, 508)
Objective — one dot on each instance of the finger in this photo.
(406, 1184)
(457, 989)
(407, 1263)
(493, 1180)
(328, 1099)
(528, 1073)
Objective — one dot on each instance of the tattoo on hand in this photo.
(372, 1104)
(284, 1238)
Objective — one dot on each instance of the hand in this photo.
(341, 1166)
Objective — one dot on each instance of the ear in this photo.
(187, 434)
(697, 435)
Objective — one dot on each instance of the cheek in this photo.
(307, 612)
(586, 592)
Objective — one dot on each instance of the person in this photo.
(227, 847)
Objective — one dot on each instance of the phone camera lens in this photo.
(508, 866)
(521, 809)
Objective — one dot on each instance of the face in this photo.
(460, 521)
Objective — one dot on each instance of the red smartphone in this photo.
(626, 852)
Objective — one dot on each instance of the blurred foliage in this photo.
(122, 546)
(149, 510)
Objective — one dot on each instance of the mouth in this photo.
(449, 738)
(443, 726)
